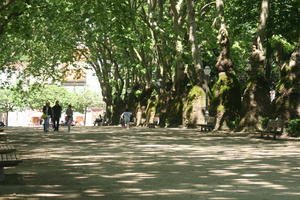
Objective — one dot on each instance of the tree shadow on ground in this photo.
(115, 163)
(13, 179)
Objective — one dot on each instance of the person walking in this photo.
(69, 118)
(126, 117)
(47, 113)
(56, 111)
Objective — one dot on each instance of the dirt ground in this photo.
(113, 163)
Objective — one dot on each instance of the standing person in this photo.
(56, 111)
(47, 113)
(126, 117)
(100, 120)
(69, 118)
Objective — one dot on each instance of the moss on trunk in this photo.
(226, 101)
(288, 100)
(195, 95)
(168, 107)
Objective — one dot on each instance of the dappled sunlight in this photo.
(49, 195)
(94, 193)
(223, 173)
(117, 163)
(264, 184)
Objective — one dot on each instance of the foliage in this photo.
(233, 124)
(136, 45)
(79, 100)
(264, 122)
(293, 128)
(9, 100)
(37, 98)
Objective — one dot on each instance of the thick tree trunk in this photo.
(106, 89)
(226, 92)
(176, 8)
(256, 101)
(195, 74)
(288, 101)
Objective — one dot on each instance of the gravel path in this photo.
(140, 163)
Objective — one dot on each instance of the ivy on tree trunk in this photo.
(226, 91)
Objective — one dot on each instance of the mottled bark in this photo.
(159, 56)
(177, 12)
(256, 101)
(194, 72)
(226, 91)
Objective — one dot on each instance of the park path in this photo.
(112, 163)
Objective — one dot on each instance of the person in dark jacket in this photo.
(56, 114)
(47, 113)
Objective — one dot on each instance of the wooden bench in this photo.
(274, 126)
(209, 125)
(8, 158)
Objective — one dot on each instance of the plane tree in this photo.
(157, 50)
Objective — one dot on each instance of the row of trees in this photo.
(156, 50)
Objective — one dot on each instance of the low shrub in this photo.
(264, 122)
(233, 124)
(293, 128)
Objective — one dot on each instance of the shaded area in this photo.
(115, 163)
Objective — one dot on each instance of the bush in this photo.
(233, 124)
(264, 122)
(293, 128)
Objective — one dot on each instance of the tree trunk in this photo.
(176, 9)
(256, 101)
(226, 97)
(288, 100)
(7, 118)
(195, 74)
(158, 55)
(85, 112)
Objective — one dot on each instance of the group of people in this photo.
(54, 114)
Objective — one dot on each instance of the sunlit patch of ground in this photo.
(115, 163)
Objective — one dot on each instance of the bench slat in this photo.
(10, 163)
(6, 148)
(9, 159)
